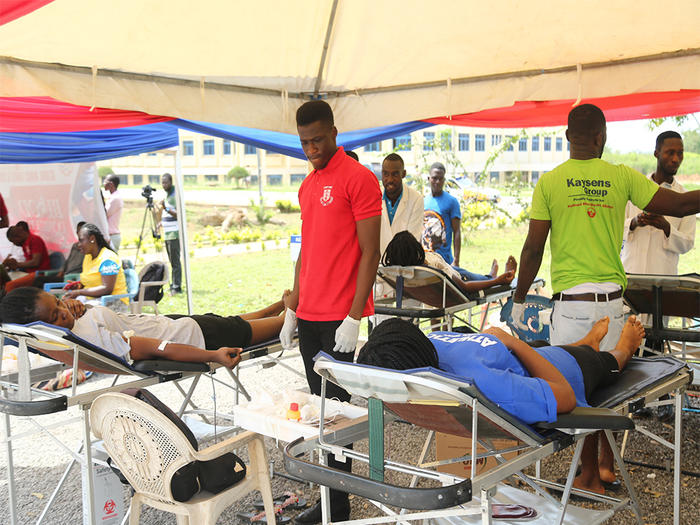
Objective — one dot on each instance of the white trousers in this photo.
(572, 320)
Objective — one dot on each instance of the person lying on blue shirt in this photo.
(533, 384)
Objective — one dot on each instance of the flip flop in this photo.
(255, 517)
(612, 486)
(301, 502)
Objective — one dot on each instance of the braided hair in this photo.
(91, 229)
(19, 306)
(399, 345)
(403, 250)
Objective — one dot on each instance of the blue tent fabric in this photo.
(85, 146)
(288, 144)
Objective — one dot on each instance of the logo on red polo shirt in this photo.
(326, 198)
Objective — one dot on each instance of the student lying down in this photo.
(534, 384)
(195, 338)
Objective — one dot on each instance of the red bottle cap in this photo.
(294, 406)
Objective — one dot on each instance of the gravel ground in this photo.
(40, 462)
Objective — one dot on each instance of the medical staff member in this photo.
(341, 207)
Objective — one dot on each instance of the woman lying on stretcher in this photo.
(533, 384)
(137, 337)
(405, 250)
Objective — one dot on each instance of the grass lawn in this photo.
(250, 281)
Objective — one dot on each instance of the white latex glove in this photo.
(288, 328)
(346, 335)
(518, 314)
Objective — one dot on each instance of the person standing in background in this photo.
(171, 232)
(4, 217)
(114, 207)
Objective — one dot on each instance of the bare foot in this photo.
(506, 278)
(596, 335)
(631, 337)
(607, 475)
(511, 264)
(494, 269)
(594, 486)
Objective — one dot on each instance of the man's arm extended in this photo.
(669, 202)
(368, 238)
(456, 239)
(531, 257)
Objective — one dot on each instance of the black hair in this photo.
(166, 174)
(314, 111)
(399, 345)
(352, 155)
(19, 306)
(585, 121)
(24, 225)
(394, 157)
(403, 250)
(438, 166)
(80, 225)
(11, 231)
(113, 178)
(93, 230)
(666, 135)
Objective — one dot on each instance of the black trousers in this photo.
(172, 246)
(315, 336)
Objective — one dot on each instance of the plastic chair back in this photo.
(533, 305)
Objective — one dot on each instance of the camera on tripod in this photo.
(147, 193)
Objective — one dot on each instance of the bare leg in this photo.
(265, 328)
(596, 335)
(630, 339)
(511, 264)
(589, 479)
(269, 311)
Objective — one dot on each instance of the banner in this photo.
(52, 198)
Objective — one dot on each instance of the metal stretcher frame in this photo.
(17, 398)
(436, 289)
(440, 403)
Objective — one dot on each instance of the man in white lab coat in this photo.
(652, 242)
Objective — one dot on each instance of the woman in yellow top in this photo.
(102, 269)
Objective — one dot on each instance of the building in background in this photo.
(207, 160)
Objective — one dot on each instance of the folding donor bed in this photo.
(438, 293)
(440, 402)
(17, 398)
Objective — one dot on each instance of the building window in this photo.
(495, 140)
(568, 146)
(208, 147)
(463, 142)
(535, 176)
(402, 142)
(187, 148)
(559, 143)
(428, 141)
(249, 150)
(154, 179)
(190, 179)
(152, 154)
(535, 144)
(211, 178)
(227, 147)
(136, 179)
(509, 138)
(494, 176)
(253, 179)
(479, 142)
(297, 178)
(123, 179)
(548, 143)
(274, 180)
(522, 144)
(373, 146)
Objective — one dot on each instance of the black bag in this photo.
(155, 272)
(214, 475)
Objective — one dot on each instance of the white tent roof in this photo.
(252, 63)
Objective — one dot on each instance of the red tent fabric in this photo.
(44, 114)
(554, 112)
(11, 9)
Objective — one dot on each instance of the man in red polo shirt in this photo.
(340, 211)
(35, 254)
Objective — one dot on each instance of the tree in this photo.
(691, 141)
(237, 173)
(103, 171)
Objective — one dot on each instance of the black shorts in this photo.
(598, 368)
(218, 331)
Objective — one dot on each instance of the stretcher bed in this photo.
(17, 398)
(439, 294)
(438, 401)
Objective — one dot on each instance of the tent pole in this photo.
(182, 225)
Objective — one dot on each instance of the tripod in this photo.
(149, 213)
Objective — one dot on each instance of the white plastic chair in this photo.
(148, 448)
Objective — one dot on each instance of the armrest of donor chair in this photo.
(590, 418)
(165, 365)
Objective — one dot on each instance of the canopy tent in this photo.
(377, 63)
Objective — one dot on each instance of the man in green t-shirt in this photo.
(171, 232)
(582, 202)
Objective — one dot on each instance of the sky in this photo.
(635, 135)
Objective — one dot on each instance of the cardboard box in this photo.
(448, 446)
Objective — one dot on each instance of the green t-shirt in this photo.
(585, 201)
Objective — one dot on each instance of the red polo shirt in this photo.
(35, 244)
(332, 200)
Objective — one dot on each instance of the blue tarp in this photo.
(288, 144)
(85, 146)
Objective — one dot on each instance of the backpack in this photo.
(155, 271)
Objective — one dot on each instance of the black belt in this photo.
(597, 297)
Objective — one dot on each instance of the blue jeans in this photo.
(469, 276)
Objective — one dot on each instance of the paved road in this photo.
(218, 197)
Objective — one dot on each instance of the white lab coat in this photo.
(648, 250)
(408, 216)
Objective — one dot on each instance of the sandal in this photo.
(296, 504)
